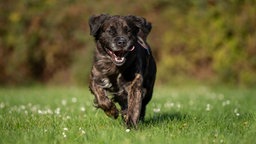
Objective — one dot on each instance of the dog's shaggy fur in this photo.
(123, 66)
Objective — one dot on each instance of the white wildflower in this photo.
(49, 111)
(227, 102)
(236, 112)
(65, 129)
(156, 110)
(82, 109)
(57, 111)
(127, 130)
(178, 106)
(34, 108)
(66, 117)
(40, 112)
(169, 104)
(22, 107)
(74, 99)
(208, 107)
(64, 102)
(2, 105)
(64, 134)
(82, 131)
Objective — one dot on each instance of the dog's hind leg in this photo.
(145, 101)
(102, 101)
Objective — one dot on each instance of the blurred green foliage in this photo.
(48, 41)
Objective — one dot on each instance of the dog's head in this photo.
(117, 35)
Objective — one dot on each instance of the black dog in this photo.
(123, 66)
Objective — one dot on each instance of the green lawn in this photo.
(190, 114)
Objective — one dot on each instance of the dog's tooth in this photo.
(132, 48)
(119, 59)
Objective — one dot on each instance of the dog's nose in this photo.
(121, 41)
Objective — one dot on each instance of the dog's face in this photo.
(116, 34)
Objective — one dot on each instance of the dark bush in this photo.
(49, 41)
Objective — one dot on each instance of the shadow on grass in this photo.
(159, 118)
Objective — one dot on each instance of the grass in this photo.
(191, 114)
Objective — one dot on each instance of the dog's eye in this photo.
(126, 29)
(110, 31)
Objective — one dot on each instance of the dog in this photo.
(123, 66)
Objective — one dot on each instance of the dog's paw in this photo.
(124, 114)
(112, 112)
(130, 122)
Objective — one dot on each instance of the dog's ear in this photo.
(95, 23)
(140, 22)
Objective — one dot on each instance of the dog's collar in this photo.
(143, 44)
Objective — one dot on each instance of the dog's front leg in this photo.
(135, 96)
(102, 101)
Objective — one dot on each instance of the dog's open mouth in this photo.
(118, 57)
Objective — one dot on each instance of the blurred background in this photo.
(48, 42)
